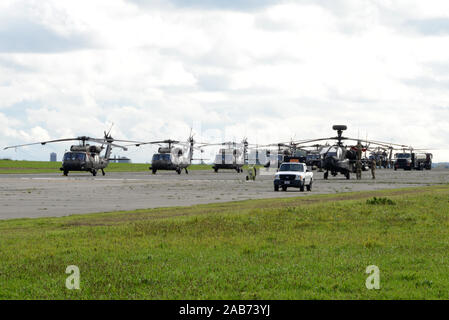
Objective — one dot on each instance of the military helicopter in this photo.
(382, 156)
(172, 155)
(263, 155)
(84, 157)
(272, 155)
(339, 158)
(231, 156)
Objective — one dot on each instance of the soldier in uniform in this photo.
(252, 172)
(373, 168)
(358, 165)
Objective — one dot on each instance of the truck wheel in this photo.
(276, 188)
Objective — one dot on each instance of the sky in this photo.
(267, 70)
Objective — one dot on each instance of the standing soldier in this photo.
(358, 169)
(252, 172)
(359, 161)
(373, 168)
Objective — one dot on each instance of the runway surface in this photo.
(52, 195)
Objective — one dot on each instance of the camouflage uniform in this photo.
(358, 167)
(358, 163)
(252, 172)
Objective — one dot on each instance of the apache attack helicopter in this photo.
(232, 156)
(174, 156)
(340, 158)
(84, 157)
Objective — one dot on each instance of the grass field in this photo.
(297, 248)
(23, 167)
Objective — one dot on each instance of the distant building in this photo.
(118, 159)
(53, 157)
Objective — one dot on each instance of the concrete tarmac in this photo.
(53, 195)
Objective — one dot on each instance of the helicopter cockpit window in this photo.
(313, 156)
(291, 167)
(161, 157)
(74, 156)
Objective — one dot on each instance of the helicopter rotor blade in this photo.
(49, 141)
(139, 143)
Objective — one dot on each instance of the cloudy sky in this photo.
(267, 70)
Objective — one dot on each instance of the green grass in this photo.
(297, 248)
(33, 167)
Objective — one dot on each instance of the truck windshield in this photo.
(291, 167)
(403, 155)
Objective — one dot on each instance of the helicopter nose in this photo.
(330, 161)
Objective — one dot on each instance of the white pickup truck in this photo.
(293, 174)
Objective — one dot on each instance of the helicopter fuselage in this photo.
(338, 160)
(163, 161)
(84, 158)
(229, 159)
(171, 159)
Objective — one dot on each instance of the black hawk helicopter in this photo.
(232, 155)
(174, 156)
(84, 157)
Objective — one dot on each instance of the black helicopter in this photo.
(273, 155)
(232, 155)
(174, 156)
(84, 157)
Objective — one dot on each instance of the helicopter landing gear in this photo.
(326, 175)
(102, 171)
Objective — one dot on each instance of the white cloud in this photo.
(268, 71)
